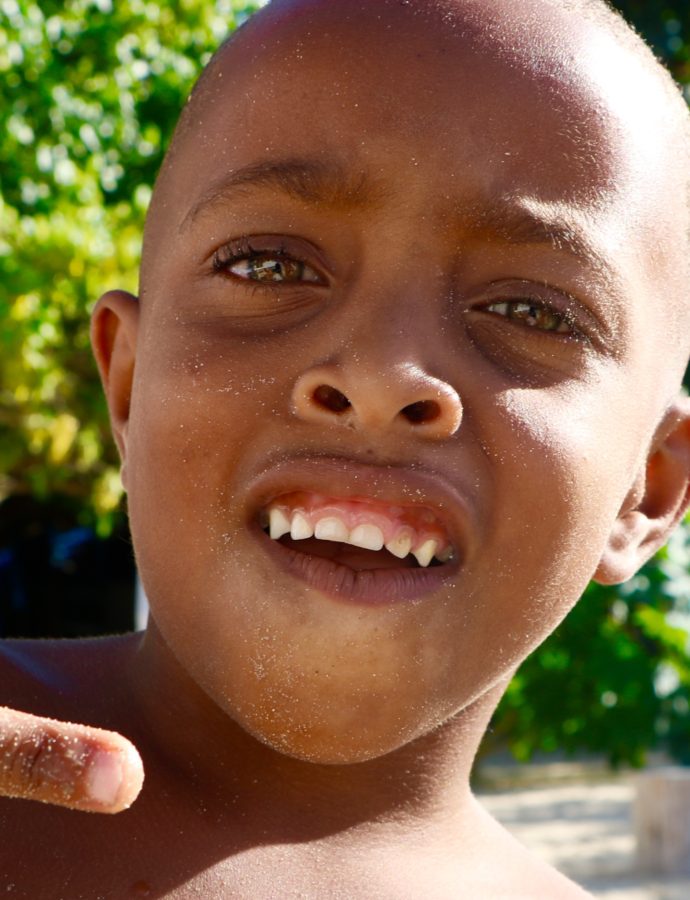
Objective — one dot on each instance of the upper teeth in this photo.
(332, 529)
(366, 535)
(300, 528)
(401, 544)
(278, 522)
(425, 553)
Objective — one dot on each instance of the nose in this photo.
(403, 399)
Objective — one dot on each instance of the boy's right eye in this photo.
(270, 266)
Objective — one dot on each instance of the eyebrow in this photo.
(524, 221)
(314, 181)
(330, 183)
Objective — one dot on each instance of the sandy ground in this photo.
(585, 830)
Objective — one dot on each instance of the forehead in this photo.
(467, 81)
(346, 80)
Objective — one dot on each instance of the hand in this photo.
(67, 765)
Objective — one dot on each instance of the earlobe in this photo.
(656, 502)
(114, 327)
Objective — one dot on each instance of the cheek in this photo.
(585, 446)
(564, 462)
(195, 411)
(193, 423)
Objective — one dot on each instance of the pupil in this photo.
(266, 268)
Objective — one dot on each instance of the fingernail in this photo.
(104, 777)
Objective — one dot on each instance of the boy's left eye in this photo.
(266, 266)
(533, 314)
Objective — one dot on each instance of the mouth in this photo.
(360, 533)
(369, 546)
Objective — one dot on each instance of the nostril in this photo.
(331, 398)
(421, 412)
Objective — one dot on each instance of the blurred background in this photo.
(89, 94)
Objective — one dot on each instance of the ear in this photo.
(656, 502)
(114, 327)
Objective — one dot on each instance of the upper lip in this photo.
(347, 478)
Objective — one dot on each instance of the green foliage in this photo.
(89, 94)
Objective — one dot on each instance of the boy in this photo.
(402, 376)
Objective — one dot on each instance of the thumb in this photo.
(67, 765)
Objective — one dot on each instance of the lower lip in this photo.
(371, 587)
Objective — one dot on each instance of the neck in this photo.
(191, 740)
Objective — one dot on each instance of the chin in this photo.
(328, 749)
(332, 733)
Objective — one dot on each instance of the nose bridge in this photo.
(394, 330)
(380, 377)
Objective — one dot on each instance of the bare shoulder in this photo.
(55, 677)
(542, 880)
(509, 870)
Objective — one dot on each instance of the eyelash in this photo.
(244, 251)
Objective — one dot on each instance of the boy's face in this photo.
(451, 234)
